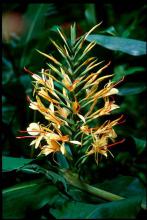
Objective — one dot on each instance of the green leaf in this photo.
(132, 89)
(140, 144)
(62, 160)
(49, 174)
(73, 34)
(125, 186)
(12, 163)
(134, 69)
(127, 208)
(27, 197)
(129, 46)
(90, 14)
(82, 196)
(122, 70)
(36, 25)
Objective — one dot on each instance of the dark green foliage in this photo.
(127, 208)
(32, 188)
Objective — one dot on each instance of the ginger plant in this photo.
(73, 96)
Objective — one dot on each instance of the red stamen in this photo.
(33, 131)
(23, 131)
(28, 71)
(28, 99)
(23, 137)
(119, 142)
(121, 122)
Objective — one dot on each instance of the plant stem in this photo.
(75, 181)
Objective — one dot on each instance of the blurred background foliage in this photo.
(27, 27)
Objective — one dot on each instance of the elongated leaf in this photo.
(132, 89)
(73, 33)
(50, 175)
(12, 163)
(26, 197)
(36, 25)
(62, 160)
(90, 14)
(129, 46)
(134, 69)
(125, 186)
(127, 208)
(131, 189)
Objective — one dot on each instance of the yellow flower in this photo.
(99, 146)
(46, 96)
(52, 147)
(108, 107)
(67, 94)
(33, 129)
(54, 141)
(47, 112)
(64, 112)
(85, 129)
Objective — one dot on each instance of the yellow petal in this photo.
(38, 141)
(75, 142)
(113, 107)
(51, 106)
(66, 95)
(33, 105)
(81, 117)
(113, 91)
(37, 78)
(55, 145)
(33, 129)
(46, 150)
(64, 112)
(63, 150)
(33, 142)
(53, 136)
(103, 152)
(45, 95)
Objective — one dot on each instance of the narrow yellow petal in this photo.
(63, 150)
(75, 142)
(81, 117)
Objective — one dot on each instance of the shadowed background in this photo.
(27, 27)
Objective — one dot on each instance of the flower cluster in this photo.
(67, 94)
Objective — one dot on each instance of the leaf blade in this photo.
(130, 46)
